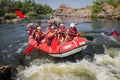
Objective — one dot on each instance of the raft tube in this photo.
(62, 50)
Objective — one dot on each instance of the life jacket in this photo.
(49, 38)
(115, 34)
(62, 31)
(72, 32)
(38, 35)
(48, 27)
(30, 30)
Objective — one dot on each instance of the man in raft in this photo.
(50, 34)
(5, 73)
(39, 35)
(72, 33)
(61, 33)
(114, 33)
(30, 29)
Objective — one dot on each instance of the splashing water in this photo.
(104, 67)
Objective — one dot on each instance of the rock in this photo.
(64, 10)
(106, 10)
(117, 13)
(86, 12)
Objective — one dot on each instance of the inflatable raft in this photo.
(62, 50)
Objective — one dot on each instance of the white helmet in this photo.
(72, 25)
(38, 28)
(31, 24)
(52, 27)
(61, 24)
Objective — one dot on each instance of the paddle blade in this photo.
(28, 50)
(18, 13)
(54, 44)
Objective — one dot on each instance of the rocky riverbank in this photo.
(106, 11)
(2, 20)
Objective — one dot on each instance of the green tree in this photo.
(31, 13)
(47, 9)
(16, 6)
(95, 9)
(10, 6)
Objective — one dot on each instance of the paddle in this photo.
(28, 50)
(54, 44)
(21, 15)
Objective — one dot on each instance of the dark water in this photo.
(13, 38)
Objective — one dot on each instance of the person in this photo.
(72, 33)
(50, 35)
(61, 33)
(38, 24)
(38, 35)
(48, 27)
(5, 72)
(114, 33)
(30, 29)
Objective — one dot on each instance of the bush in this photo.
(94, 16)
(31, 13)
(10, 16)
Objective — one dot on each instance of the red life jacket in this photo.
(30, 31)
(49, 38)
(38, 35)
(114, 33)
(63, 30)
(48, 27)
(72, 32)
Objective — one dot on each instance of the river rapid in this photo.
(99, 61)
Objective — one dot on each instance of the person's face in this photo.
(39, 30)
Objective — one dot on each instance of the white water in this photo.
(103, 67)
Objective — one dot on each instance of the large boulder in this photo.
(86, 12)
(106, 10)
(117, 13)
(64, 10)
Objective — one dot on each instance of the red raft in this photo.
(62, 50)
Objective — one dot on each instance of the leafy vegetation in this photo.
(31, 13)
(94, 16)
(97, 4)
(10, 16)
(115, 3)
(95, 9)
(28, 7)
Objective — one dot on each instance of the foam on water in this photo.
(104, 67)
(20, 49)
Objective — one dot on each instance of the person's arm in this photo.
(3, 67)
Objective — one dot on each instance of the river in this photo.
(101, 60)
